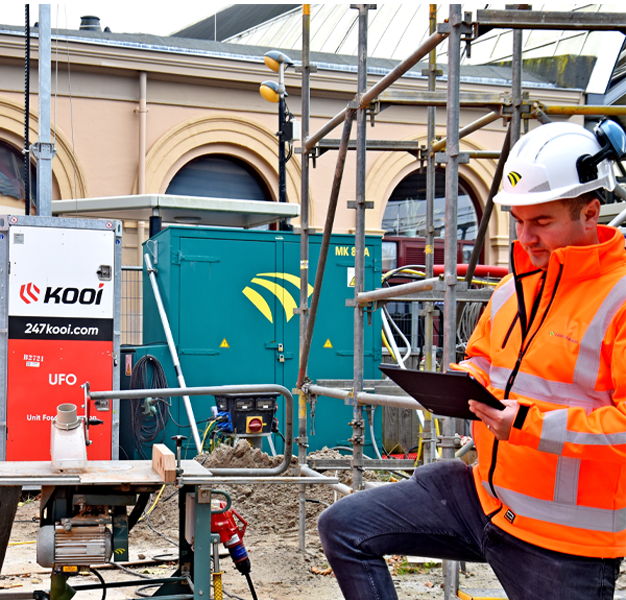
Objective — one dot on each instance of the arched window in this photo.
(12, 175)
(405, 217)
(405, 214)
(219, 176)
(404, 243)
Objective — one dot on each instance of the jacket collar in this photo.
(579, 262)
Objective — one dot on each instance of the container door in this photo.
(227, 323)
(332, 348)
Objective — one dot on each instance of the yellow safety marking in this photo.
(281, 293)
(224, 344)
(461, 595)
(288, 277)
(120, 551)
(514, 178)
(68, 569)
(430, 249)
(328, 344)
(259, 302)
(352, 282)
(306, 9)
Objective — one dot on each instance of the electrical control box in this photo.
(251, 414)
(59, 315)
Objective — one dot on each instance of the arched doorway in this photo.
(219, 176)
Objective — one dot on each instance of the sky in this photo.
(158, 17)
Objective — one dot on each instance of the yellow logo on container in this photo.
(514, 178)
(264, 281)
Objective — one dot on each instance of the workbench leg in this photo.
(9, 498)
(202, 543)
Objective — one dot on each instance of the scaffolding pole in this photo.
(302, 439)
(430, 440)
(358, 423)
(451, 568)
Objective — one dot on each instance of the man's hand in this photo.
(499, 422)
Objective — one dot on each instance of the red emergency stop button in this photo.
(254, 425)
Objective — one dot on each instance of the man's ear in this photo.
(590, 214)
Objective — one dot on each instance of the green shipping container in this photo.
(230, 297)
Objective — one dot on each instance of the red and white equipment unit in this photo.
(60, 300)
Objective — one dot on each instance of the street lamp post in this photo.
(275, 92)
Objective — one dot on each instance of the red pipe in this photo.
(480, 271)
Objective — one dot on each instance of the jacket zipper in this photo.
(518, 362)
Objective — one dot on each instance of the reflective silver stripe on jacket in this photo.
(500, 296)
(556, 392)
(559, 513)
(480, 362)
(554, 434)
(589, 354)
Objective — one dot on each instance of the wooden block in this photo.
(164, 462)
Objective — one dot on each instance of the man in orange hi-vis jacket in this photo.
(545, 505)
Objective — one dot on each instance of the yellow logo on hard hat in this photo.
(263, 280)
(514, 178)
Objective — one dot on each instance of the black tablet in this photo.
(444, 394)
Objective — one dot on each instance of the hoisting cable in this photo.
(27, 114)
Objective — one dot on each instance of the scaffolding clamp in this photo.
(442, 157)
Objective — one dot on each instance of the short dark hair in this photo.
(576, 205)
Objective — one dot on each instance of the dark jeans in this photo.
(437, 514)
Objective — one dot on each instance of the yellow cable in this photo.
(153, 504)
(22, 543)
(388, 347)
(206, 431)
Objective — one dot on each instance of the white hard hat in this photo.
(544, 166)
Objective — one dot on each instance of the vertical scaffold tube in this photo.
(430, 441)
(304, 261)
(358, 425)
(451, 568)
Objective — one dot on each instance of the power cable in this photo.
(101, 579)
(148, 417)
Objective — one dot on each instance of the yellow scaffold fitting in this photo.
(218, 592)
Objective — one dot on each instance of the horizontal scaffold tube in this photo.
(339, 487)
(217, 391)
(364, 398)
(397, 290)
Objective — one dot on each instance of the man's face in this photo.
(543, 228)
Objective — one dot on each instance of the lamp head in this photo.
(274, 58)
(270, 90)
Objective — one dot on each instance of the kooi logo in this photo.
(267, 281)
(514, 178)
(29, 292)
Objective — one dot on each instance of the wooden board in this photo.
(164, 462)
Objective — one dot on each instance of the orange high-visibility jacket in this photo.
(555, 341)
